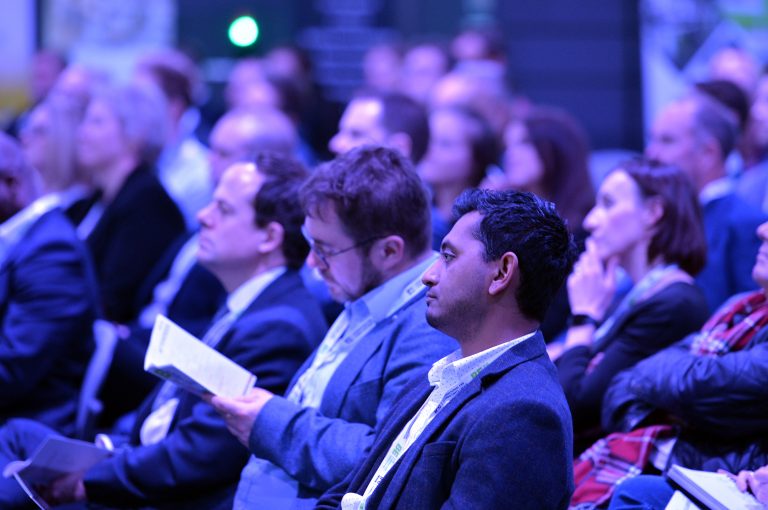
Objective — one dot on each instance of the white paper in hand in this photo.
(177, 356)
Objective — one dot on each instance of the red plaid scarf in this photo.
(732, 327)
(621, 455)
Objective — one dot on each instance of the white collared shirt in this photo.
(448, 377)
(156, 426)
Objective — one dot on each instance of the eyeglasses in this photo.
(324, 255)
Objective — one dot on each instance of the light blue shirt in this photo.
(264, 484)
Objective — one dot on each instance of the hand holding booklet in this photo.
(56, 457)
(710, 491)
(179, 357)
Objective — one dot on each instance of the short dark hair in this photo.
(376, 192)
(278, 200)
(713, 119)
(729, 95)
(679, 236)
(522, 223)
(402, 114)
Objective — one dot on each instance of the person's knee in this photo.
(644, 492)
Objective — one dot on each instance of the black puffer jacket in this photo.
(719, 404)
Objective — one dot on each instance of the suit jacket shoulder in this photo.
(198, 464)
(47, 305)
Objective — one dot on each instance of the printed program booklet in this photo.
(711, 491)
(179, 357)
(56, 457)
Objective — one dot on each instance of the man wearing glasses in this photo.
(368, 226)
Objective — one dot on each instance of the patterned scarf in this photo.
(623, 455)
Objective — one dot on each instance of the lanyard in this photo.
(341, 335)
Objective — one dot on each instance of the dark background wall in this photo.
(582, 56)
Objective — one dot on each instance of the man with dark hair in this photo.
(368, 226)
(389, 119)
(489, 426)
(696, 134)
(179, 454)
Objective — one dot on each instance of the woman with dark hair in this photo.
(647, 220)
(546, 153)
(462, 147)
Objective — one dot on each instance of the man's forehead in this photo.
(464, 229)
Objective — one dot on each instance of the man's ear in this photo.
(388, 252)
(274, 233)
(505, 274)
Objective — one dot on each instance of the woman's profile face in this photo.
(522, 164)
(100, 137)
(618, 221)
(449, 157)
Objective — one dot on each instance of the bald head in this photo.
(242, 133)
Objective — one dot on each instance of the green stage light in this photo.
(243, 31)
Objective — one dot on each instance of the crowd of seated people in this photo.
(435, 294)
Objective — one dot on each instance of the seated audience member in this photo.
(134, 221)
(489, 426)
(48, 300)
(461, 148)
(180, 454)
(423, 66)
(696, 134)
(701, 403)
(752, 185)
(381, 67)
(546, 154)
(647, 221)
(182, 166)
(391, 120)
(479, 87)
(368, 227)
(48, 137)
(179, 287)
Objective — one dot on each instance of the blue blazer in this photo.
(198, 464)
(504, 441)
(732, 244)
(319, 447)
(48, 301)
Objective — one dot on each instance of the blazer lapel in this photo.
(342, 378)
(400, 473)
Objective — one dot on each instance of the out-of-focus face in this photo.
(760, 269)
(100, 137)
(458, 280)
(522, 163)
(449, 157)
(759, 113)
(35, 138)
(229, 236)
(616, 222)
(348, 272)
(360, 124)
(423, 67)
(229, 145)
(673, 138)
